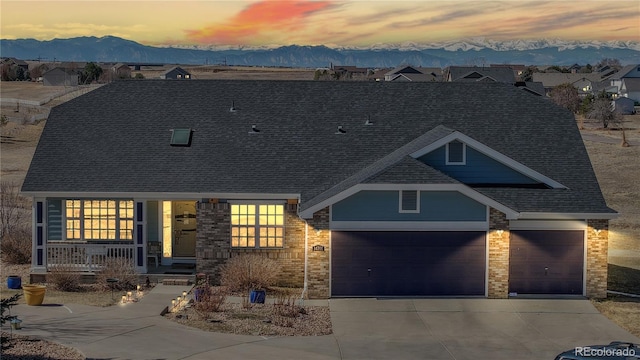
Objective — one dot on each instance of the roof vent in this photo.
(233, 107)
(368, 122)
(341, 130)
(254, 129)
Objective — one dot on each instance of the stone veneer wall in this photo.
(213, 244)
(318, 276)
(597, 258)
(498, 255)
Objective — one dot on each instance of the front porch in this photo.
(89, 259)
(81, 235)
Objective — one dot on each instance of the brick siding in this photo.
(213, 247)
(597, 262)
(498, 284)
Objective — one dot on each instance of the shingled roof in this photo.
(116, 139)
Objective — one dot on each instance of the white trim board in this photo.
(547, 225)
(409, 225)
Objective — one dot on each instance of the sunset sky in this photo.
(331, 23)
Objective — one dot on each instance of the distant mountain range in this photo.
(477, 51)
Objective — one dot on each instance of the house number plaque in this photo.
(317, 248)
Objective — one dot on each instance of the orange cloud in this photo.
(260, 17)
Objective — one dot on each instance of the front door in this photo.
(184, 228)
(179, 229)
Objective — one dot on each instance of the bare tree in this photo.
(566, 95)
(12, 208)
(602, 109)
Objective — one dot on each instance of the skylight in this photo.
(181, 137)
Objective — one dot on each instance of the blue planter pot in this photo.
(257, 296)
(197, 294)
(14, 282)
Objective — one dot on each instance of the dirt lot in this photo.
(233, 72)
(618, 171)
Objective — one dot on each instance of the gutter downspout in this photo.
(306, 261)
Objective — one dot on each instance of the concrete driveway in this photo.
(363, 329)
(468, 328)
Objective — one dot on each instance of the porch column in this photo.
(39, 241)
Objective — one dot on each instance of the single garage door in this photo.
(546, 262)
(379, 263)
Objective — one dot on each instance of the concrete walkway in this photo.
(363, 329)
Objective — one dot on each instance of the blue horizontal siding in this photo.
(383, 206)
(152, 221)
(479, 169)
(54, 219)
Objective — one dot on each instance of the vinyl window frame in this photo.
(262, 228)
(448, 154)
(401, 202)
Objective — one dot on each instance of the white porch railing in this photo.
(85, 257)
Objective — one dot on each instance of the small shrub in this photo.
(64, 278)
(245, 272)
(246, 304)
(6, 305)
(121, 269)
(284, 321)
(210, 300)
(15, 246)
(285, 304)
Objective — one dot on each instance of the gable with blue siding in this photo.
(478, 168)
(373, 205)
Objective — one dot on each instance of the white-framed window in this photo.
(409, 201)
(257, 225)
(456, 153)
(92, 220)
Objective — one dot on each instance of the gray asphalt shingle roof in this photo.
(116, 138)
(499, 74)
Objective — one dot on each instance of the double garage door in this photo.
(408, 263)
(379, 263)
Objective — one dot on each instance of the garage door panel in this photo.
(546, 262)
(408, 263)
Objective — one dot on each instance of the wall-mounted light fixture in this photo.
(597, 231)
(500, 232)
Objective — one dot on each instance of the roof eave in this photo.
(565, 216)
(160, 195)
